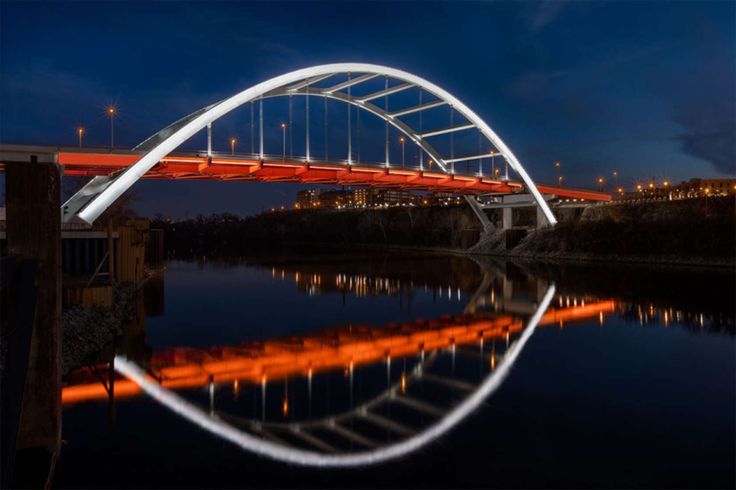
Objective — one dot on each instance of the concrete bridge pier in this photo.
(507, 204)
(34, 232)
(507, 217)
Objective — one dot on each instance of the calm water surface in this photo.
(595, 377)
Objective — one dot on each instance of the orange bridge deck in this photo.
(234, 168)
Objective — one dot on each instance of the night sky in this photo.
(643, 88)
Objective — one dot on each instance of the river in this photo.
(401, 370)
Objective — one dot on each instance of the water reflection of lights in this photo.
(287, 454)
(363, 285)
(183, 368)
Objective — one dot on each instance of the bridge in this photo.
(445, 133)
(94, 162)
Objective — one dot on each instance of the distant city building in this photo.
(693, 188)
(700, 187)
(360, 198)
(307, 199)
(336, 199)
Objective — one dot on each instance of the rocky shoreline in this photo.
(493, 244)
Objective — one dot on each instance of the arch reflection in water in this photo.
(292, 455)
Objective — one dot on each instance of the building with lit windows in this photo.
(307, 199)
(706, 187)
(692, 188)
(356, 198)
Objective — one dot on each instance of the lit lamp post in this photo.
(283, 142)
(559, 180)
(402, 141)
(601, 181)
(111, 113)
(559, 177)
(233, 142)
(80, 134)
(615, 177)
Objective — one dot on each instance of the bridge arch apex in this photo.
(95, 198)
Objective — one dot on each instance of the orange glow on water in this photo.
(276, 359)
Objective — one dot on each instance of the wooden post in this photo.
(34, 232)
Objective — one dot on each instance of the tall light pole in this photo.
(403, 161)
(233, 142)
(559, 177)
(283, 141)
(111, 113)
(601, 181)
(615, 177)
(80, 133)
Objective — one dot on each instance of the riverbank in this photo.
(224, 235)
(88, 331)
(697, 232)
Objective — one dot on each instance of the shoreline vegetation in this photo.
(693, 232)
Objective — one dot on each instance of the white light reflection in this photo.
(270, 449)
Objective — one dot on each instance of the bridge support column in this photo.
(507, 215)
(508, 290)
(34, 232)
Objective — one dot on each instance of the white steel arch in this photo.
(95, 198)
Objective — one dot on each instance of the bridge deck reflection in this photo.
(182, 368)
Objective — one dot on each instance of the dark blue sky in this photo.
(643, 88)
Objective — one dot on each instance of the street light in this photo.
(402, 151)
(233, 142)
(615, 177)
(80, 133)
(559, 180)
(111, 112)
(283, 141)
(601, 181)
